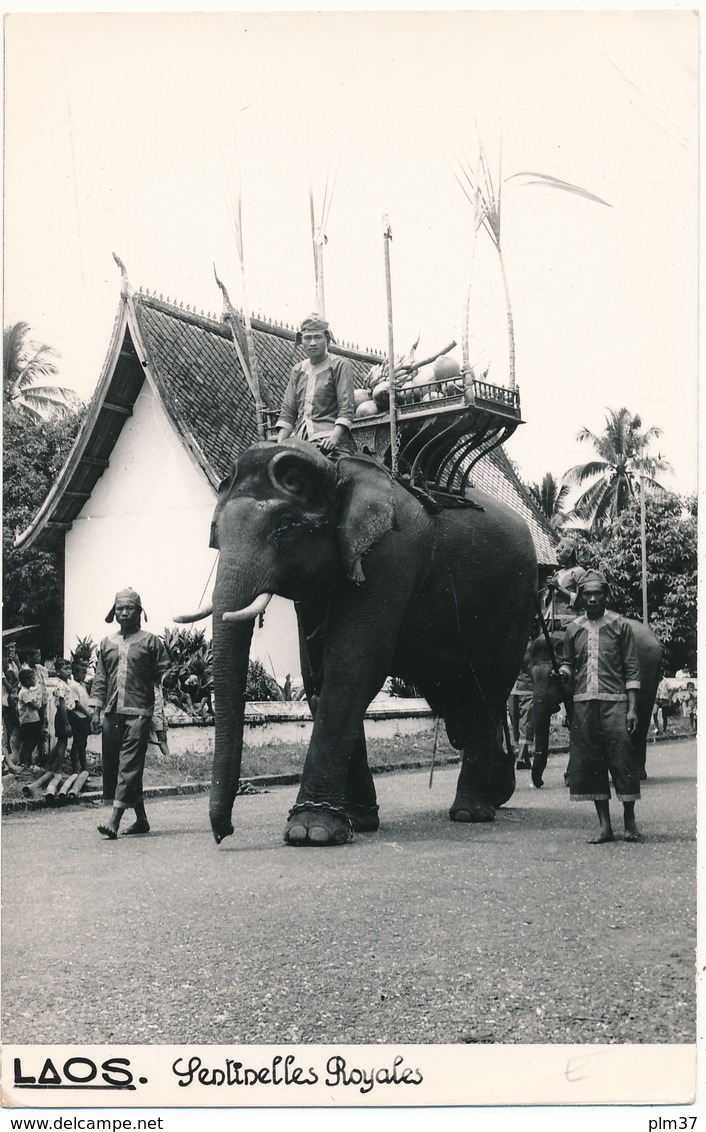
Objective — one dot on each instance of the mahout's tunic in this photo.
(319, 397)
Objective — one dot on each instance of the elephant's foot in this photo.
(316, 823)
(364, 819)
(472, 810)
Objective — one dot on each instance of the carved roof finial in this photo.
(125, 288)
(228, 311)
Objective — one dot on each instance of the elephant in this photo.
(549, 693)
(384, 582)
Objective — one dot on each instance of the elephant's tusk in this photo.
(258, 606)
(185, 618)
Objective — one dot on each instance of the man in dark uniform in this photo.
(129, 665)
(600, 660)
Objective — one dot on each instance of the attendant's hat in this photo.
(594, 576)
(126, 595)
(313, 321)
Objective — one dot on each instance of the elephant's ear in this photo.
(366, 510)
(223, 488)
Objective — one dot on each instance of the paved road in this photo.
(517, 931)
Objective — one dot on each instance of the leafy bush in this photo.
(261, 686)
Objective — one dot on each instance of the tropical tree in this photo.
(34, 451)
(26, 365)
(550, 496)
(672, 563)
(621, 460)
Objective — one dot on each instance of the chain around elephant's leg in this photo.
(317, 823)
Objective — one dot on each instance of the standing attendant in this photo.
(130, 663)
(318, 401)
(600, 659)
(562, 589)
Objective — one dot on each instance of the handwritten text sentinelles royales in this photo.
(285, 1071)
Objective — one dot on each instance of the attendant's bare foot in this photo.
(632, 833)
(603, 836)
(137, 827)
(108, 831)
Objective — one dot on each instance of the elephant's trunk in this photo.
(256, 607)
(231, 650)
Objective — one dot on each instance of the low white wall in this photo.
(267, 724)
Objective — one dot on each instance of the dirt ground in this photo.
(518, 931)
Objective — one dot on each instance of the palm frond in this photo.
(582, 472)
(555, 183)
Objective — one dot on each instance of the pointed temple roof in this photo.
(190, 359)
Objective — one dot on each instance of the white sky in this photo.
(121, 136)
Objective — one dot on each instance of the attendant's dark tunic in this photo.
(126, 672)
(602, 656)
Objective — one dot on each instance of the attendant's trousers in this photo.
(124, 745)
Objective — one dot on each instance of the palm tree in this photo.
(25, 364)
(621, 461)
(486, 199)
(550, 495)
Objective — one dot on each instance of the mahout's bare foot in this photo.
(108, 831)
(603, 836)
(137, 827)
(632, 833)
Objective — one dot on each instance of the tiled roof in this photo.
(198, 374)
(192, 361)
(496, 475)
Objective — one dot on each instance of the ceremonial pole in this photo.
(257, 387)
(387, 236)
(643, 548)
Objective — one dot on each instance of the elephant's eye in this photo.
(293, 484)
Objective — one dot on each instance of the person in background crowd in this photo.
(129, 664)
(318, 402)
(79, 715)
(600, 660)
(524, 694)
(10, 690)
(29, 700)
(663, 701)
(692, 705)
(64, 700)
(159, 722)
(32, 658)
